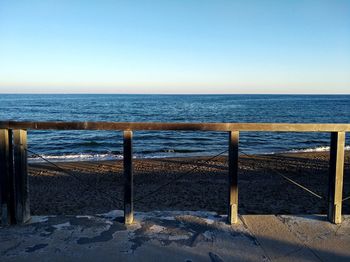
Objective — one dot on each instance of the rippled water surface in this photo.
(92, 145)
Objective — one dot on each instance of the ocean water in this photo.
(100, 145)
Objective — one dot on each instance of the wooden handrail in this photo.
(13, 159)
(259, 127)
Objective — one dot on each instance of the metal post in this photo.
(335, 182)
(128, 178)
(233, 177)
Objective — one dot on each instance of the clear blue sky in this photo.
(180, 46)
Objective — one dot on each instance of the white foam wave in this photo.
(97, 157)
(110, 156)
(75, 157)
(88, 157)
(314, 149)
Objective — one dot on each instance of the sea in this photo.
(108, 145)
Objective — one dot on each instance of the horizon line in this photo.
(77, 93)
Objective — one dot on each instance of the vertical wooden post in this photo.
(6, 178)
(128, 178)
(233, 177)
(21, 176)
(335, 181)
(11, 181)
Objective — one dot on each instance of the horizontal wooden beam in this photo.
(259, 127)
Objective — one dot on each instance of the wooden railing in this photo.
(14, 193)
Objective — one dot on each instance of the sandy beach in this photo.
(97, 187)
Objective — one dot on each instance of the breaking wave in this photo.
(314, 149)
(75, 157)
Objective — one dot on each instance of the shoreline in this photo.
(95, 186)
(38, 160)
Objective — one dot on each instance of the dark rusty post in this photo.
(335, 181)
(128, 178)
(21, 176)
(233, 177)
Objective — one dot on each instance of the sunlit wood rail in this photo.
(14, 192)
(273, 127)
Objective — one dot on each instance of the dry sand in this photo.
(97, 187)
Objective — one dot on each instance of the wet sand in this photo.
(97, 187)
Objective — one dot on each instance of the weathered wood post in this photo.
(7, 195)
(21, 176)
(335, 181)
(128, 178)
(233, 177)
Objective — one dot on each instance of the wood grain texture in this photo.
(336, 172)
(259, 127)
(233, 177)
(21, 176)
